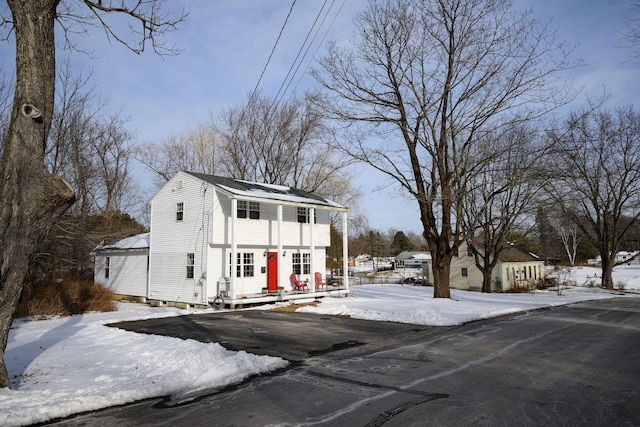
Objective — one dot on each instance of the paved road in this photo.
(571, 365)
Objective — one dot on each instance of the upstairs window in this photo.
(242, 209)
(248, 209)
(303, 216)
(179, 211)
(464, 272)
(254, 210)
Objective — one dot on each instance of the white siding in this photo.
(507, 282)
(518, 274)
(127, 271)
(473, 281)
(264, 232)
(172, 240)
(205, 231)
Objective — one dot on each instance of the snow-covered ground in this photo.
(66, 365)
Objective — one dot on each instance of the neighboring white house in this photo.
(516, 268)
(412, 259)
(205, 227)
(621, 257)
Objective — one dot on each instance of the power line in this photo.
(255, 89)
(304, 43)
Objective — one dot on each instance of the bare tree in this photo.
(632, 32)
(69, 153)
(425, 82)
(570, 240)
(277, 143)
(596, 177)
(112, 147)
(285, 144)
(91, 150)
(497, 199)
(32, 198)
(194, 151)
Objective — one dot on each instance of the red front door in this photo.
(272, 271)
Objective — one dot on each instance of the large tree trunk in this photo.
(607, 270)
(31, 199)
(486, 279)
(441, 266)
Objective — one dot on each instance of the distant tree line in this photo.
(454, 102)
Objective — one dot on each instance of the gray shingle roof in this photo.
(277, 192)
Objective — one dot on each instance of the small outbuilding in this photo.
(123, 266)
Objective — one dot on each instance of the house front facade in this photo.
(228, 241)
(516, 269)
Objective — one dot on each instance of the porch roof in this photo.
(281, 193)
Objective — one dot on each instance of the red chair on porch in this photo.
(319, 282)
(297, 284)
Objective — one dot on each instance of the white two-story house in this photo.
(228, 241)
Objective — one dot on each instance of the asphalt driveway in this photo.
(292, 336)
(576, 365)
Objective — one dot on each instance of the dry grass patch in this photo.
(293, 307)
(54, 296)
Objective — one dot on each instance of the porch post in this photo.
(312, 244)
(279, 260)
(234, 247)
(345, 252)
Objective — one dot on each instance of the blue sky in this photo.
(227, 42)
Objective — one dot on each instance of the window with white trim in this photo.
(249, 210)
(303, 216)
(244, 264)
(179, 211)
(191, 261)
(254, 210)
(464, 272)
(247, 264)
(301, 263)
(107, 267)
